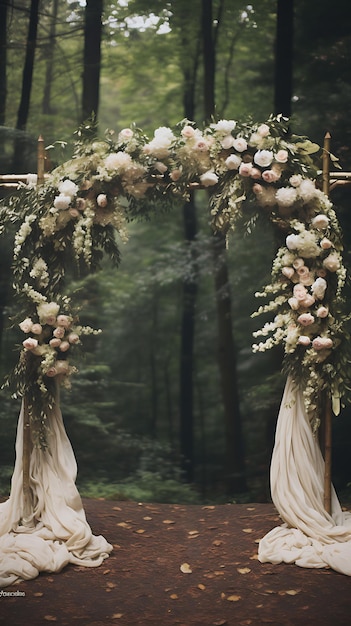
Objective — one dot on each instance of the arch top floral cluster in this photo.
(248, 169)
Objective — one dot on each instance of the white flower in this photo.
(188, 131)
(68, 188)
(318, 288)
(47, 312)
(332, 262)
(30, 343)
(303, 340)
(240, 144)
(125, 134)
(295, 180)
(162, 141)
(233, 162)
(321, 221)
(292, 241)
(322, 312)
(263, 158)
(325, 243)
(31, 181)
(101, 200)
(224, 127)
(227, 142)
(118, 161)
(62, 202)
(305, 319)
(263, 130)
(209, 178)
(307, 189)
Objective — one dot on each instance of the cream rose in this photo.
(208, 179)
(263, 158)
(233, 162)
(26, 325)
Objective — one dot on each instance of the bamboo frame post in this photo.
(328, 414)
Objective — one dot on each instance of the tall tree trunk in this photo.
(92, 59)
(27, 79)
(284, 57)
(50, 54)
(234, 453)
(3, 61)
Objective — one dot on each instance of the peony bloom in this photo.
(209, 178)
(292, 241)
(62, 202)
(59, 332)
(318, 288)
(240, 144)
(298, 262)
(263, 158)
(303, 340)
(281, 156)
(245, 169)
(101, 200)
(294, 303)
(118, 161)
(224, 127)
(305, 319)
(286, 196)
(201, 145)
(159, 146)
(47, 312)
(332, 262)
(26, 325)
(30, 343)
(307, 189)
(68, 188)
(320, 222)
(233, 162)
(320, 343)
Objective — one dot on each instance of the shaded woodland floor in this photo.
(181, 565)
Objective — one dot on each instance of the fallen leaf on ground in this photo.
(234, 598)
(50, 618)
(168, 521)
(247, 530)
(243, 570)
(117, 615)
(202, 587)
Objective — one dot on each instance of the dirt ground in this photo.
(175, 565)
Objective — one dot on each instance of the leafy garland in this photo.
(248, 170)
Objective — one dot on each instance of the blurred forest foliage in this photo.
(123, 411)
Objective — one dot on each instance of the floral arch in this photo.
(81, 211)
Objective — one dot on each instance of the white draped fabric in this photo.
(309, 536)
(57, 532)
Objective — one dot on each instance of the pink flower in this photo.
(64, 346)
(320, 343)
(281, 156)
(101, 200)
(298, 262)
(245, 169)
(175, 175)
(55, 342)
(201, 145)
(263, 130)
(30, 343)
(51, 372)
(161, 167)
(73, 338)
(307, 301)
(256, 173)
(270, 176)
(37, 329)
(188, 131)
(73, 212)
(62, 367)
(227, 142)
(305, 319)
(26, 325)
(322, 311)
(125, 134)
(304, 340)
(257, 188)
(63, 320)
(325, 243)
(59, 332)
(294, 303)
(300, 292)
(288, 272)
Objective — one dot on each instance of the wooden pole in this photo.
(41, 160)
(328, 414)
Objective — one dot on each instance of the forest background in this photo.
(169, 403)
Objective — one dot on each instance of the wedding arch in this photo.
(80, 212)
